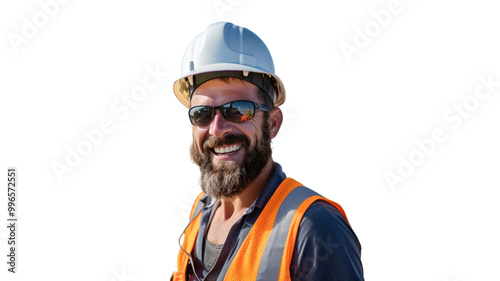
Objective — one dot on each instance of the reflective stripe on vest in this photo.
(269, 269)
(267, 250)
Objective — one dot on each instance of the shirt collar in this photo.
(276, 179)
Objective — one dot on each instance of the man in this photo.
(251, 222)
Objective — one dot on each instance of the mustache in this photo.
(213, 141)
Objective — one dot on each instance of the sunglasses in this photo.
(235, 111)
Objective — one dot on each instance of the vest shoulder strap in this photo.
(293, 230)
(267, 250)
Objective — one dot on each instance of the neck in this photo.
(236, 205)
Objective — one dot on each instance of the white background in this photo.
(118, 214)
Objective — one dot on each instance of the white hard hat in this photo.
(228, 50)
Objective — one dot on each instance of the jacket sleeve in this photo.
(326, 247)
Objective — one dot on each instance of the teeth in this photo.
(227, 149)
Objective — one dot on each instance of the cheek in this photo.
(254, 135)
(198, 137)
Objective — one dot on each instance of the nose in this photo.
(219, 126)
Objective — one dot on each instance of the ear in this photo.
(274, 121)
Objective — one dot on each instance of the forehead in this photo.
(218, 92)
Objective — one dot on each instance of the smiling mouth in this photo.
(225, 149)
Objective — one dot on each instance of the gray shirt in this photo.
(211, 253)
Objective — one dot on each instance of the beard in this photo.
(230, 178)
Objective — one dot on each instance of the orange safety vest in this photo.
(272, 235)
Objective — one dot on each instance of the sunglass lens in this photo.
(238, 111)
(201, 115)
